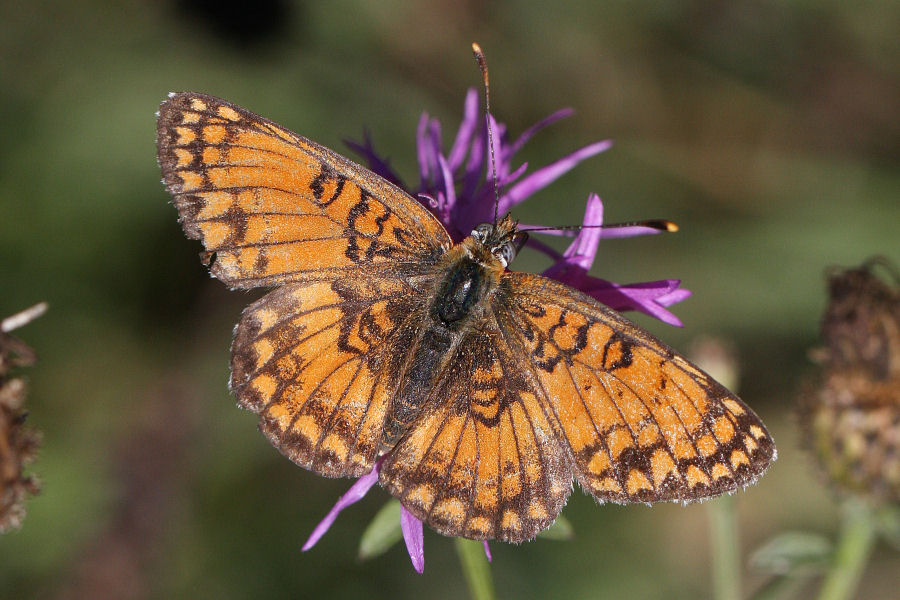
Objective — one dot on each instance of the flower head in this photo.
(851, 417)
(458, 187)
(18, 443)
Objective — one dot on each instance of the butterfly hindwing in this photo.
(318, 361)
(271, 206)
(482, 461)
(640, 423)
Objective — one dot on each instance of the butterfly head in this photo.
(503, 240)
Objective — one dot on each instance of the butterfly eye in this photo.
(506, 252)
(482, 232)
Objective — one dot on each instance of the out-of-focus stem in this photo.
(852, 552)
(726, 564)
(476, 569)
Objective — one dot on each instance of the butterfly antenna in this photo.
(482, 64)
(660, 224)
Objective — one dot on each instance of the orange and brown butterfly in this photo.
(480, 392)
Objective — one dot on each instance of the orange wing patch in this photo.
(639, 422)
(271, 206)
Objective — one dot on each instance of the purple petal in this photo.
(429, 202)
(649, 298)
(658, 312)
(647, 290)
(449, 189)
(437, 140)
(412, 535)
(375, 163)
(474, 170)
(509, 178)
(616, 302)
(353, 495)
(542, 247)
(675, 297)
(529, 133)
(466, 130)
(448, 198)
(487, 551)
(573, 265)
(583, 248)
(546, 175)
(433, 149)
(424, 151)
(569, 274)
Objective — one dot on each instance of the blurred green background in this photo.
(768, 130)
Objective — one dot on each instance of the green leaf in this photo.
(793, 553)
(560, 530)
(382, 533)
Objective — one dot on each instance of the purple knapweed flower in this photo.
(458, 188)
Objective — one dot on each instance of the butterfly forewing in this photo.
(271, 206)
(640, 423)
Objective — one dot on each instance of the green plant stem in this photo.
(726, 563)
(852, 552)
(476, 569)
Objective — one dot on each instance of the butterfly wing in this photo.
(319, 362)
(639, 422)
(271, 206)
(482, 461)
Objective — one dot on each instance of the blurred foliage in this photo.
(767, 130)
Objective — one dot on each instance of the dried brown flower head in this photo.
(852, 416)
(18, 443)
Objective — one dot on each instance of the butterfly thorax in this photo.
(469, 274)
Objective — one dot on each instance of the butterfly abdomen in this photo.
(423, 367)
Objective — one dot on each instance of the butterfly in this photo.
(483, 392)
